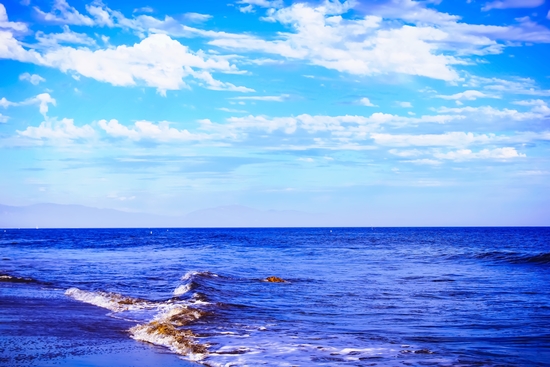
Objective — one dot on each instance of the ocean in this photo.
(350, 297)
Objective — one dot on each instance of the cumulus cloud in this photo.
(145, 130)
(366, 102)
(34, 79)
(157, 61)
(3, 119)
(405, 104)
(364, 47)
(507, 4)
(52, 129)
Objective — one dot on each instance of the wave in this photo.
(190, 281)
(111, 301)
(192, 274)
(167, 328)
(516, 257)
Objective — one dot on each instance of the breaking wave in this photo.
(111, 301)
(167, 327)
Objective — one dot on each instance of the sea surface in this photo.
(351, 296)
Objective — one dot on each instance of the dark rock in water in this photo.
(423, 351)
(275, 280)
(11, 279)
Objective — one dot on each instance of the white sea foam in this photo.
(111, 301)
(164, 334)
(190, 274)
(182, 289)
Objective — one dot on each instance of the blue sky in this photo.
(388, 112)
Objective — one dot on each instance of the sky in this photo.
(393, 112)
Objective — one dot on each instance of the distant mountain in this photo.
(74, 216)
(78, 216)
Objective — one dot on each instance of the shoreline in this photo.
(42, 327)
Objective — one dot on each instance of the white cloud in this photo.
(539, 110)
(405, 104)
(145, 130)
(548, 15)
(34, 79)
(231, 110)
(366, 102)
(158, 61)
(538, 105)
(3, 119)
(469, 95)
(525, 86)
(145, 9)
(214, 84)
(340, 127)
(196, 17)
(363, 46)
(52, 40)
(280, 98)
(43, 100)
(424, 161)
(5, 103)
(250, 4)
(6, 24)
(406, 153)
(52, 129)
(426, 140)
(506, 4)
(461, 38)
(467, 154)
(63, 13)
(246, 9)
(10, 48)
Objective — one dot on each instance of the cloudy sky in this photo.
(390, 112)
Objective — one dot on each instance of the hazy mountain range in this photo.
(78, 216)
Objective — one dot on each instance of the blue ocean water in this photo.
(352, 296)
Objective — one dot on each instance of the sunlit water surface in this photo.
(352, 297)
